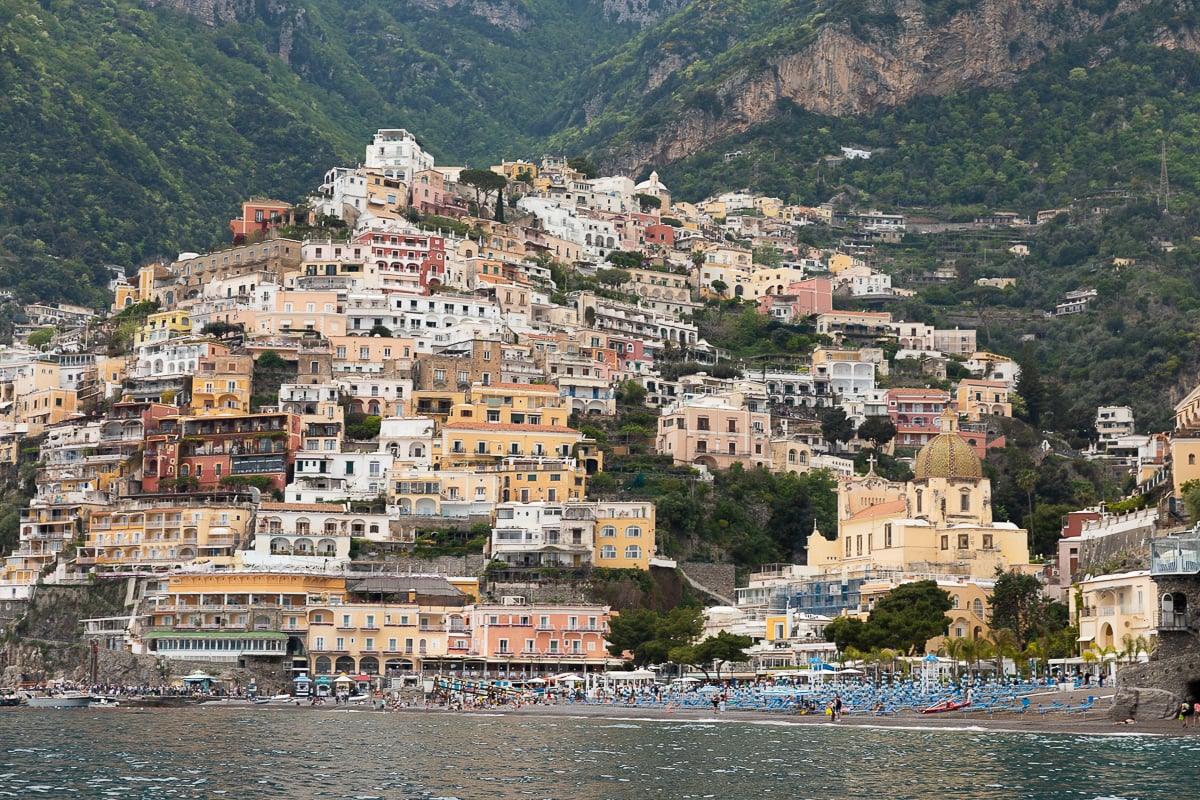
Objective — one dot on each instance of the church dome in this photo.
(947, 455)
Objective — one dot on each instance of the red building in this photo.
(405, 259)
(209, 448)
(258, 216)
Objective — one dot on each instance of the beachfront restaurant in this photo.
(220, 646)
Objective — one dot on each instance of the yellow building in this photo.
(625, 535)
(940, 523)
(1114, 609)
(841, 261)
(165, 532)
(42, 393)
(504, 421)
(222, 383)
(227, 616)
(164, 325)
(976, 398)
(1185, 441)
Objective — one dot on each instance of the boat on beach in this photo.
(945, 705)
(9, 697)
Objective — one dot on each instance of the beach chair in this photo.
(1024, 704)
(1086, 705)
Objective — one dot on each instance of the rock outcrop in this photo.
(857, 69)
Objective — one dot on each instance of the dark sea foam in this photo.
(361, 755)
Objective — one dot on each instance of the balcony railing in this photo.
(1172, 621)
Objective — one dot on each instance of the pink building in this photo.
(405, 259)
(915, 414)
(534, 639)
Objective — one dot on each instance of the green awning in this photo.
(215, 635)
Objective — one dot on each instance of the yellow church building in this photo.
(938, 525)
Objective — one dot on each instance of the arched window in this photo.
(633, 551)
(633, 532)
(608, 531)
(977, 608)
(919, 499)
(954, 601)
(964, 501)
(322, 665)
(608, 551)
(1191, 459)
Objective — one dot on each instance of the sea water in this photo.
(258, 752)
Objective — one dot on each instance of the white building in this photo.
(397, 153)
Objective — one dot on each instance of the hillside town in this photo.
(254, 440)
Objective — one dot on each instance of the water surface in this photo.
(363, 755)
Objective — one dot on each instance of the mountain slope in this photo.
(719, 68)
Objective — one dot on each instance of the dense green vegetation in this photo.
(130, 133)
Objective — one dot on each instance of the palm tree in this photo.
(887, 654)
(954, 648)
(1004, 645)
(1090, 657)
(981, 650)
(1036, 651)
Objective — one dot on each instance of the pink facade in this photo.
(407, 257)
(915, 413)
(536, 632)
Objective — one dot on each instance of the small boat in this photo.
(945, 705)
(102, 701)
(9, 697)
(65, 699)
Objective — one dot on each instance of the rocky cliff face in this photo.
(855, 70)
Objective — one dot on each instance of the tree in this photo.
(905, 620)
(836, 426)
(484, 182)
(269, 359)
(1030, 386)
(911, 615)
(1016, 603)
(877, 429)
(41, 337)
(721, 648)
(582, 165)
(720, 287)
(652, 637)
(612, 277)
(648, 202)
(382, 331)
(1027, 481)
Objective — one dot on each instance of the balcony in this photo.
(1172, 621)
(1176, 555)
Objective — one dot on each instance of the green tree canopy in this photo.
(836, 427)
(877, 429)
(1017, 604)
(912, 614)
(651, 636)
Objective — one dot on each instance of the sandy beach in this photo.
(1093, 722)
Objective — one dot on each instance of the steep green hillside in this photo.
(128, 133)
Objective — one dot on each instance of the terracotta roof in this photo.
(880, 510)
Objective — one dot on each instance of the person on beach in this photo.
(1195, 716)
(837, 706)
(1185, 711)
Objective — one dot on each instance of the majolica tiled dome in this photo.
(947, 455)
